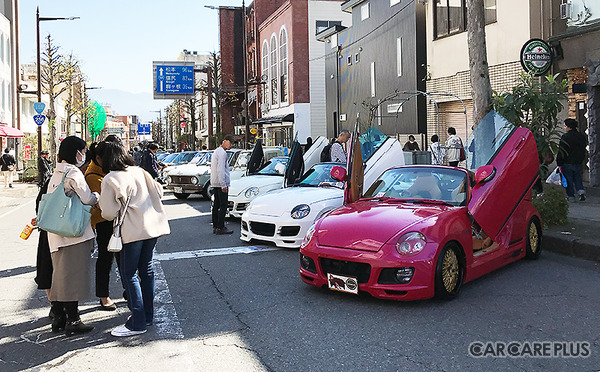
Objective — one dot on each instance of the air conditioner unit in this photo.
(565, 10)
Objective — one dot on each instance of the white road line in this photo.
(211, 252)
(165, 316)
(13, 210)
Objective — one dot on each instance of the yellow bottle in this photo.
(27, 231)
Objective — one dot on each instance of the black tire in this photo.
(181, 196)
(533, 245)
(449, 272)
(207, 191)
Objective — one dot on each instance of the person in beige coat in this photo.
(71, 255)
(144, 222)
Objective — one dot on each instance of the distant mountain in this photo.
(127, 103)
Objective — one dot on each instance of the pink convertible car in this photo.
(423, 231)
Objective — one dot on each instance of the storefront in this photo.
(276, 130)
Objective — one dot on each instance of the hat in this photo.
(44, 152)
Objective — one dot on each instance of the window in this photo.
(265, 71)
(283, 66)
(394, 2)
(323, 25)
(364, 11)
(274, 79)
(372, 79)
(450, 16)
(399, 56)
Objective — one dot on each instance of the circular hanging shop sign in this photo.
(536, 57)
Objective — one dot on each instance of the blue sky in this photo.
(117, 40)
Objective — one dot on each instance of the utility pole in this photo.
(245, 106)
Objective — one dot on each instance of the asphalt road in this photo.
(221, 308)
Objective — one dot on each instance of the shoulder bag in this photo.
(115, 244)
(61, 214)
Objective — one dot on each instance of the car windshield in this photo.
(242, 160)
(169, 158)
(206, 159)
(370, 141)
(184, 157)
(198, 157)
(276, 167)
(320, 175)
(419, 183)
(487, 138)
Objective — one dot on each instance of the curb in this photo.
(570, 245)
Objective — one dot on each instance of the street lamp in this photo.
(84, 130)
(245, 105)
(39, 19)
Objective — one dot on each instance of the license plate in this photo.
(178, 190)
(342, 283)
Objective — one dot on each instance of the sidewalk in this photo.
(9, 197)
(579, 237)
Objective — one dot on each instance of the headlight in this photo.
(308, 236)
(300, 211)
(410, 243)
(194, 180)
(251, 192)
(168, 179)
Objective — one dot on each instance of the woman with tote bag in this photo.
(144, 221)
(71, 255)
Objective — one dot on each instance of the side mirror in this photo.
(484, 174)
(338, 173)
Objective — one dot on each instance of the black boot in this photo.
(74, 323)
(60, 319)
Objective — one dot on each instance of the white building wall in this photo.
(504, 38)
(320, 11)
(5, 72)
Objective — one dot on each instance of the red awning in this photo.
(6, 131)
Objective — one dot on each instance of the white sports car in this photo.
(284, 216)
(243, 190)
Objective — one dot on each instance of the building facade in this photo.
(376, 67)
(8, 71)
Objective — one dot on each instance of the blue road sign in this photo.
(174, 79)
(39, 107)
(39, 119)
(143, 129)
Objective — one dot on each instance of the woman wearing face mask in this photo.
(71, 255)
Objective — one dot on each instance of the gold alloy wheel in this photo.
(534, 238)
(450, 269)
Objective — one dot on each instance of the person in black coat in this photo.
(571, 154)
(43, 276)
(149, 162)
(44, 168)
(8, 167)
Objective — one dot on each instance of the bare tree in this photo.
(74, 79)
(216, 87)
(53, 84)
(478, 63)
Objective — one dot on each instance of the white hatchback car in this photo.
(284, 216)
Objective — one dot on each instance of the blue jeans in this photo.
(136, 257)
(572, 173)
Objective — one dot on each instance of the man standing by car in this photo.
(44, 168)
(219, 180)
(338, 154)
(571, 154)
(149, 163)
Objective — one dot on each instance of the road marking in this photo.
(165, 315)
(17, 208)
(211, 252)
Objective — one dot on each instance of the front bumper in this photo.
(184, 188)
(284, 232)
(236, 206)
(368, 267)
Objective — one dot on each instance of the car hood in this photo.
(241, 184)
(368, 225)
(189, 170)
(278, 202)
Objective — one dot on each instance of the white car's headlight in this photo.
(411, 243)
(251, 192)
(300, 211)
(169, 179)
(308, 237)
(194, 180)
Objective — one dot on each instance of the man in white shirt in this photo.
(219, 180)
(437, 151)
(338, 154)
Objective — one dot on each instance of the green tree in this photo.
(535, 103)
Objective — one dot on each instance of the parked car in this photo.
(423, 231)
(284, 216)
(195, 178)
(239, 169)
(271, 177)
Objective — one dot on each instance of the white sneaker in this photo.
(123, 331)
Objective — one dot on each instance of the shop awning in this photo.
(275, 119)
(6, 131)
